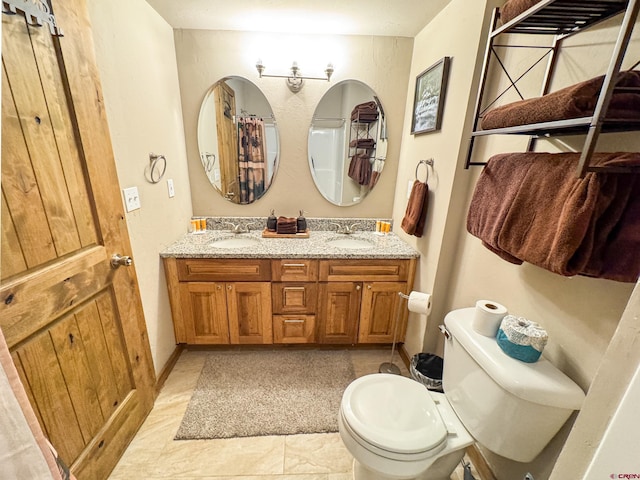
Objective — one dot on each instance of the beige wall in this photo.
(136, 58)
(580, 314)
(204, 57)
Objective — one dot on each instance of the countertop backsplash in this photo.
(314, 224)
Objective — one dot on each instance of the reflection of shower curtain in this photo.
(251, 159)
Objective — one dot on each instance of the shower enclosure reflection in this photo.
(238, 140)
(347, 143)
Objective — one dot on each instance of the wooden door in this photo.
(338, 312)
(227, 130)
(249, 310)
(379, 314)
(204, 310)
(73, 323)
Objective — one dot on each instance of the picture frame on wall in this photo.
(428, 101)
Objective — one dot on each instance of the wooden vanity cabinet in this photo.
(288, 301)
(216, 301)
(359, 300)
(294, 299)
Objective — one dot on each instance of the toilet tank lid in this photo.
(539, 382)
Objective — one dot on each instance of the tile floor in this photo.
(154, 455)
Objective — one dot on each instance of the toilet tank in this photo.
(511, 407)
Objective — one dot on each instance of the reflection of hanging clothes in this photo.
(251, 159)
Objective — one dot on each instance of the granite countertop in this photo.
(318, 245)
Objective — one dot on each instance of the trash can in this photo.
(426, 368)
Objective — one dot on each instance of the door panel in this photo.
(74, 324)
(380, 307)
(338, 312)
(249, 309)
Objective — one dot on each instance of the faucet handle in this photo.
(234, 228)
(353, 226)
(249, 224)
(339, 228)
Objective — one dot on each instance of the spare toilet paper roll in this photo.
(419, 302)
(487, 317)
(521, 339)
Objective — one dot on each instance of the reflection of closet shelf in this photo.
(561, 18)
(363, 129)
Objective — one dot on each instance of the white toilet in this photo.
(397, 429)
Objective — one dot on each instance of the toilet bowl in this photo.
(397, 429)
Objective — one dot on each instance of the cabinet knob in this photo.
(358, 287)
(229, 287)
(368, 287)
(219, 287)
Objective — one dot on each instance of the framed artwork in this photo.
(428, 101)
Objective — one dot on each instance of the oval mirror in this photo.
(238, 140)
(347, 143)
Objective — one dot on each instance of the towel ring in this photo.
(427, 163)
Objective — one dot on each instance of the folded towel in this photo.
(287, 225)
(513, 8)
(575, 101)
(362, 143)
(416, 212)
(531, 207)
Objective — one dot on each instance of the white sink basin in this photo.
(350, 242)
(235, 242)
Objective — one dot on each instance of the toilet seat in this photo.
(393, 416)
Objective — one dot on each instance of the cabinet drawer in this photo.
(364, 270)
(294, 329)
(294, 270)
(294, 297)
(223, 270)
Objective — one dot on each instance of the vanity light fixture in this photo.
(295, 80)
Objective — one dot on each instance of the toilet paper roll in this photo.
(487, 317)
(521, 338)
(419, 302)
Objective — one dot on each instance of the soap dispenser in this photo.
(272, 221)
(301, 222)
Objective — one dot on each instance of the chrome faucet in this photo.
(345, 229)
(239, 228)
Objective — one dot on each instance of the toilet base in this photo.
(441, 469)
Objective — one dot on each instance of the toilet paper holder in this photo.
(390, 367)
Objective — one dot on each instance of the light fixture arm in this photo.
(295, 80)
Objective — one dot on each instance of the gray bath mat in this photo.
(254, 393)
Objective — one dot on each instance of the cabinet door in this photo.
(339, 309)
(249, 309)
(379, 313)
(204, 311)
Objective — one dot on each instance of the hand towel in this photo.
(287, 225)
(416, 213)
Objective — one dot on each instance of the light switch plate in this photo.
(131, 198)
(172, 192)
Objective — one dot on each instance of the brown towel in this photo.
(360, 169)
(513, 8)
(287, 225)
(575, 101)
(416, 213)
(531, 207)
